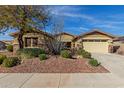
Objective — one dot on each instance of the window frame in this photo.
(94, 40)
(34, 38)
(31, 42)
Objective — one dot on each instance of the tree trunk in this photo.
(20, 39)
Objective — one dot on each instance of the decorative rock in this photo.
(79, 56)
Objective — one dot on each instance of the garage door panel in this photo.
(100, 47)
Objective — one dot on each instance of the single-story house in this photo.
(66, 39)
(2, 45)
(7, 42)
(119, 40)
(118, 45)
(31, 39)
(93, 41)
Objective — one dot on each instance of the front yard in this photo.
(36, 60)
(54, 65)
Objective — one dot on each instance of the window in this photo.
(73, 45)
(90, 40)
(34, 42)
(31, 42)
(84, 40)
(96, 40)
(93, 40)
(68, 44)
(103, 40)
(27, 42)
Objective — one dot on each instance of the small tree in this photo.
(55, 45)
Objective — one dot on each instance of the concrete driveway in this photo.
(114, 63)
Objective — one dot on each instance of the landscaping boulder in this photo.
(120, 50)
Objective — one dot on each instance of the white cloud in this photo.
(69, 11)
(62, 9)
(107, 26)
(109, 22)
(83, 28)
(77, 29)
(114, 22)
(117, 16)
(74, 15)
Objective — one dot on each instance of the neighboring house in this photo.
(118, 45)
(94, 41)
(2, 45)
(66, 39)
(32, 39)
(8, 42)
(119, 40)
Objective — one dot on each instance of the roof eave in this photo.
(112, 36)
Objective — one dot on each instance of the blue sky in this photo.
(84, 18)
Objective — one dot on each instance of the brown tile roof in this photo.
(14, 34)
(93, 31)
(65, 33)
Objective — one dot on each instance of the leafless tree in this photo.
(55, 45)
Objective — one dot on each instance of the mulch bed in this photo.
(54, 65)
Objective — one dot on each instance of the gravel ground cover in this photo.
(54, 65)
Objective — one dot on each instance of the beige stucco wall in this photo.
(38, 35)
(65, 38)
(100, 47)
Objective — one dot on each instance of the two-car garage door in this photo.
(97, 46)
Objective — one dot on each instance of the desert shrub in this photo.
(84, 53)
(65, 54)
(42, 57)
(26, 56)
(30, 52)
(10, 48)
(94, 62)
(11, 61)
(2, 58)
(80, 51)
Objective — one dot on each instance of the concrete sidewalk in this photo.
(60, 80)
(114, 63)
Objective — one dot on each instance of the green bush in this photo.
(94, 62)
(2, 58)
(42, 57)
(10, 48)
(80, 51)
(84, 53)
(11, 61)
(65, 54)
(30, 52)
